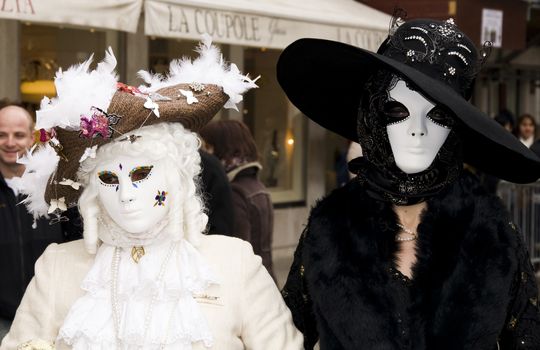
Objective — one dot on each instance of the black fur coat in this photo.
(473, 286)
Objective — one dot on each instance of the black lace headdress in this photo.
(437, 49)
(377, 168)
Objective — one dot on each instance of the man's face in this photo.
(15, 134)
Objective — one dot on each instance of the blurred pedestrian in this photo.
(20, 244)
(217, 195)
(506, 119)
(232, 142)
(525, 129)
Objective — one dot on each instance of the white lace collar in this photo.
(110, 233)
(176, 319)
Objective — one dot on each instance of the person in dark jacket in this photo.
(232, 142)
(217, 195)
(412, 253)
(22, 240)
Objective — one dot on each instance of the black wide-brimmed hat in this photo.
(326, 79)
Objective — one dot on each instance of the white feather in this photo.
(208, 68)
(40, 165)
(78, 89)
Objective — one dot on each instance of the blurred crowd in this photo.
(524, 128)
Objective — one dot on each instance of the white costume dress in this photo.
(244, 310)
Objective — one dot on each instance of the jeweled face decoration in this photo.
(127, 190)
(416, 128)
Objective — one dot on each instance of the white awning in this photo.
(107, 14)
(267, 23)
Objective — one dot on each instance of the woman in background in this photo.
(526, 130)
(232, 142)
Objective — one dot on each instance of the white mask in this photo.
(419, 129)
(134, 192)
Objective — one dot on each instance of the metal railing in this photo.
(523, 203)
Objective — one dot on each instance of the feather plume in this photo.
(78, 89)
(208, 68)
(40, 165)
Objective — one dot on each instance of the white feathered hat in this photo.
(92, 108)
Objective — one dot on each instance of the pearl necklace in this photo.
(408, 231)
(114, 292)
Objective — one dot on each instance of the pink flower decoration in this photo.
(98, 124)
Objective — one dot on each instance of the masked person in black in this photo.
(412, 253)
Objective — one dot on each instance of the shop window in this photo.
(279, 130)
(278, 127)
(46, 48)
(163, 51)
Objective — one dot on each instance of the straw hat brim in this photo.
(130, 108)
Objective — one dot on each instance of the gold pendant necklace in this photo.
(137, 253)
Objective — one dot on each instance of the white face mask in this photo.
(133, 192)
(417, 128)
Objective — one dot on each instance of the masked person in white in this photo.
(155, 281)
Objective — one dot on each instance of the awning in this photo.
(106, 14)
(267, 23)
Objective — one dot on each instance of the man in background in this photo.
(20, 244)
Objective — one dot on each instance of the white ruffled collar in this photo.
(176, 319)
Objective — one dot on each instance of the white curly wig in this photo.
(169, 143)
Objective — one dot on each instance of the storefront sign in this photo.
(492, 26)
(229, 27)
(106, 14)
(220, 25)
(17, 6)
(363, 38)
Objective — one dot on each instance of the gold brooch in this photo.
(137, 253)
